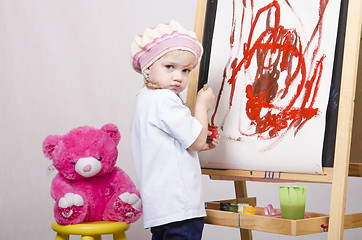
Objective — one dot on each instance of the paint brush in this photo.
(212, 128)
(205, 87)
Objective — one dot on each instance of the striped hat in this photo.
(156, 42)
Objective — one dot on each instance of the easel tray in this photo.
(312, 223)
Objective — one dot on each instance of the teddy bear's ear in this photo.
(112, 130)
(49, 144)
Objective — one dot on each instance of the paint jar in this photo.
(241, 207)
(224, 206)
(292, 201)
(249, 210)
(214, 130)
(232, 208)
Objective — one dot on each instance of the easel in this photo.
(347, 158)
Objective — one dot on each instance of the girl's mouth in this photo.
(175, 87)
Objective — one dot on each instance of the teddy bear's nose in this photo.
(87, 168)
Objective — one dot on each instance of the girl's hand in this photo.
(211, 143)
(205, 97)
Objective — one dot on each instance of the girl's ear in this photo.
(145, 75)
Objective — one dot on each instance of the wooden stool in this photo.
(91, 230)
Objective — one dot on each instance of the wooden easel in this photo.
(347, 157)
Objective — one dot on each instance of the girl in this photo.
(165, 138)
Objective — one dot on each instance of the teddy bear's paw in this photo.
(131, 199)
(128, 207)
(70, 199)
(66, 212)
(125, 207)
(124, 212)
(70, 205)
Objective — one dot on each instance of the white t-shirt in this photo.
(168, 174)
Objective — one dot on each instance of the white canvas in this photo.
(281, 53)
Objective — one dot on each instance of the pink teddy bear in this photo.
(88, 187)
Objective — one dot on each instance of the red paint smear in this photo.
(276, 50)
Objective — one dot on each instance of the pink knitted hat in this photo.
(156, 42)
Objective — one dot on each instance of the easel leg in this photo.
(345, 120)
(240, 192)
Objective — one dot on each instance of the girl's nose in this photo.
(177, 76)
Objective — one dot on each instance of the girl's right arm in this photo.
(204, 102)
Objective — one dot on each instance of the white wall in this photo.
(65, 63)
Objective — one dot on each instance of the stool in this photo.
(91, 230)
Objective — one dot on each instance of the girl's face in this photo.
(172, 70)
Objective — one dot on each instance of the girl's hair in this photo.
(151, 85)
(154, 85)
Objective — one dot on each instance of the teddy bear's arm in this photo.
(60, 186)
(70, 207)
(121, 182)
(126, 204)
(124, 186)
(63, 193)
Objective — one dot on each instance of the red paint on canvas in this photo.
(282, 94)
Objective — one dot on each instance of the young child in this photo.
(165, 138)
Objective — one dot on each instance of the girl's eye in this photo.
(169, 67)
(186, 70)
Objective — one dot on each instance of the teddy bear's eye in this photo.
(99, 159)
(72, 162)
